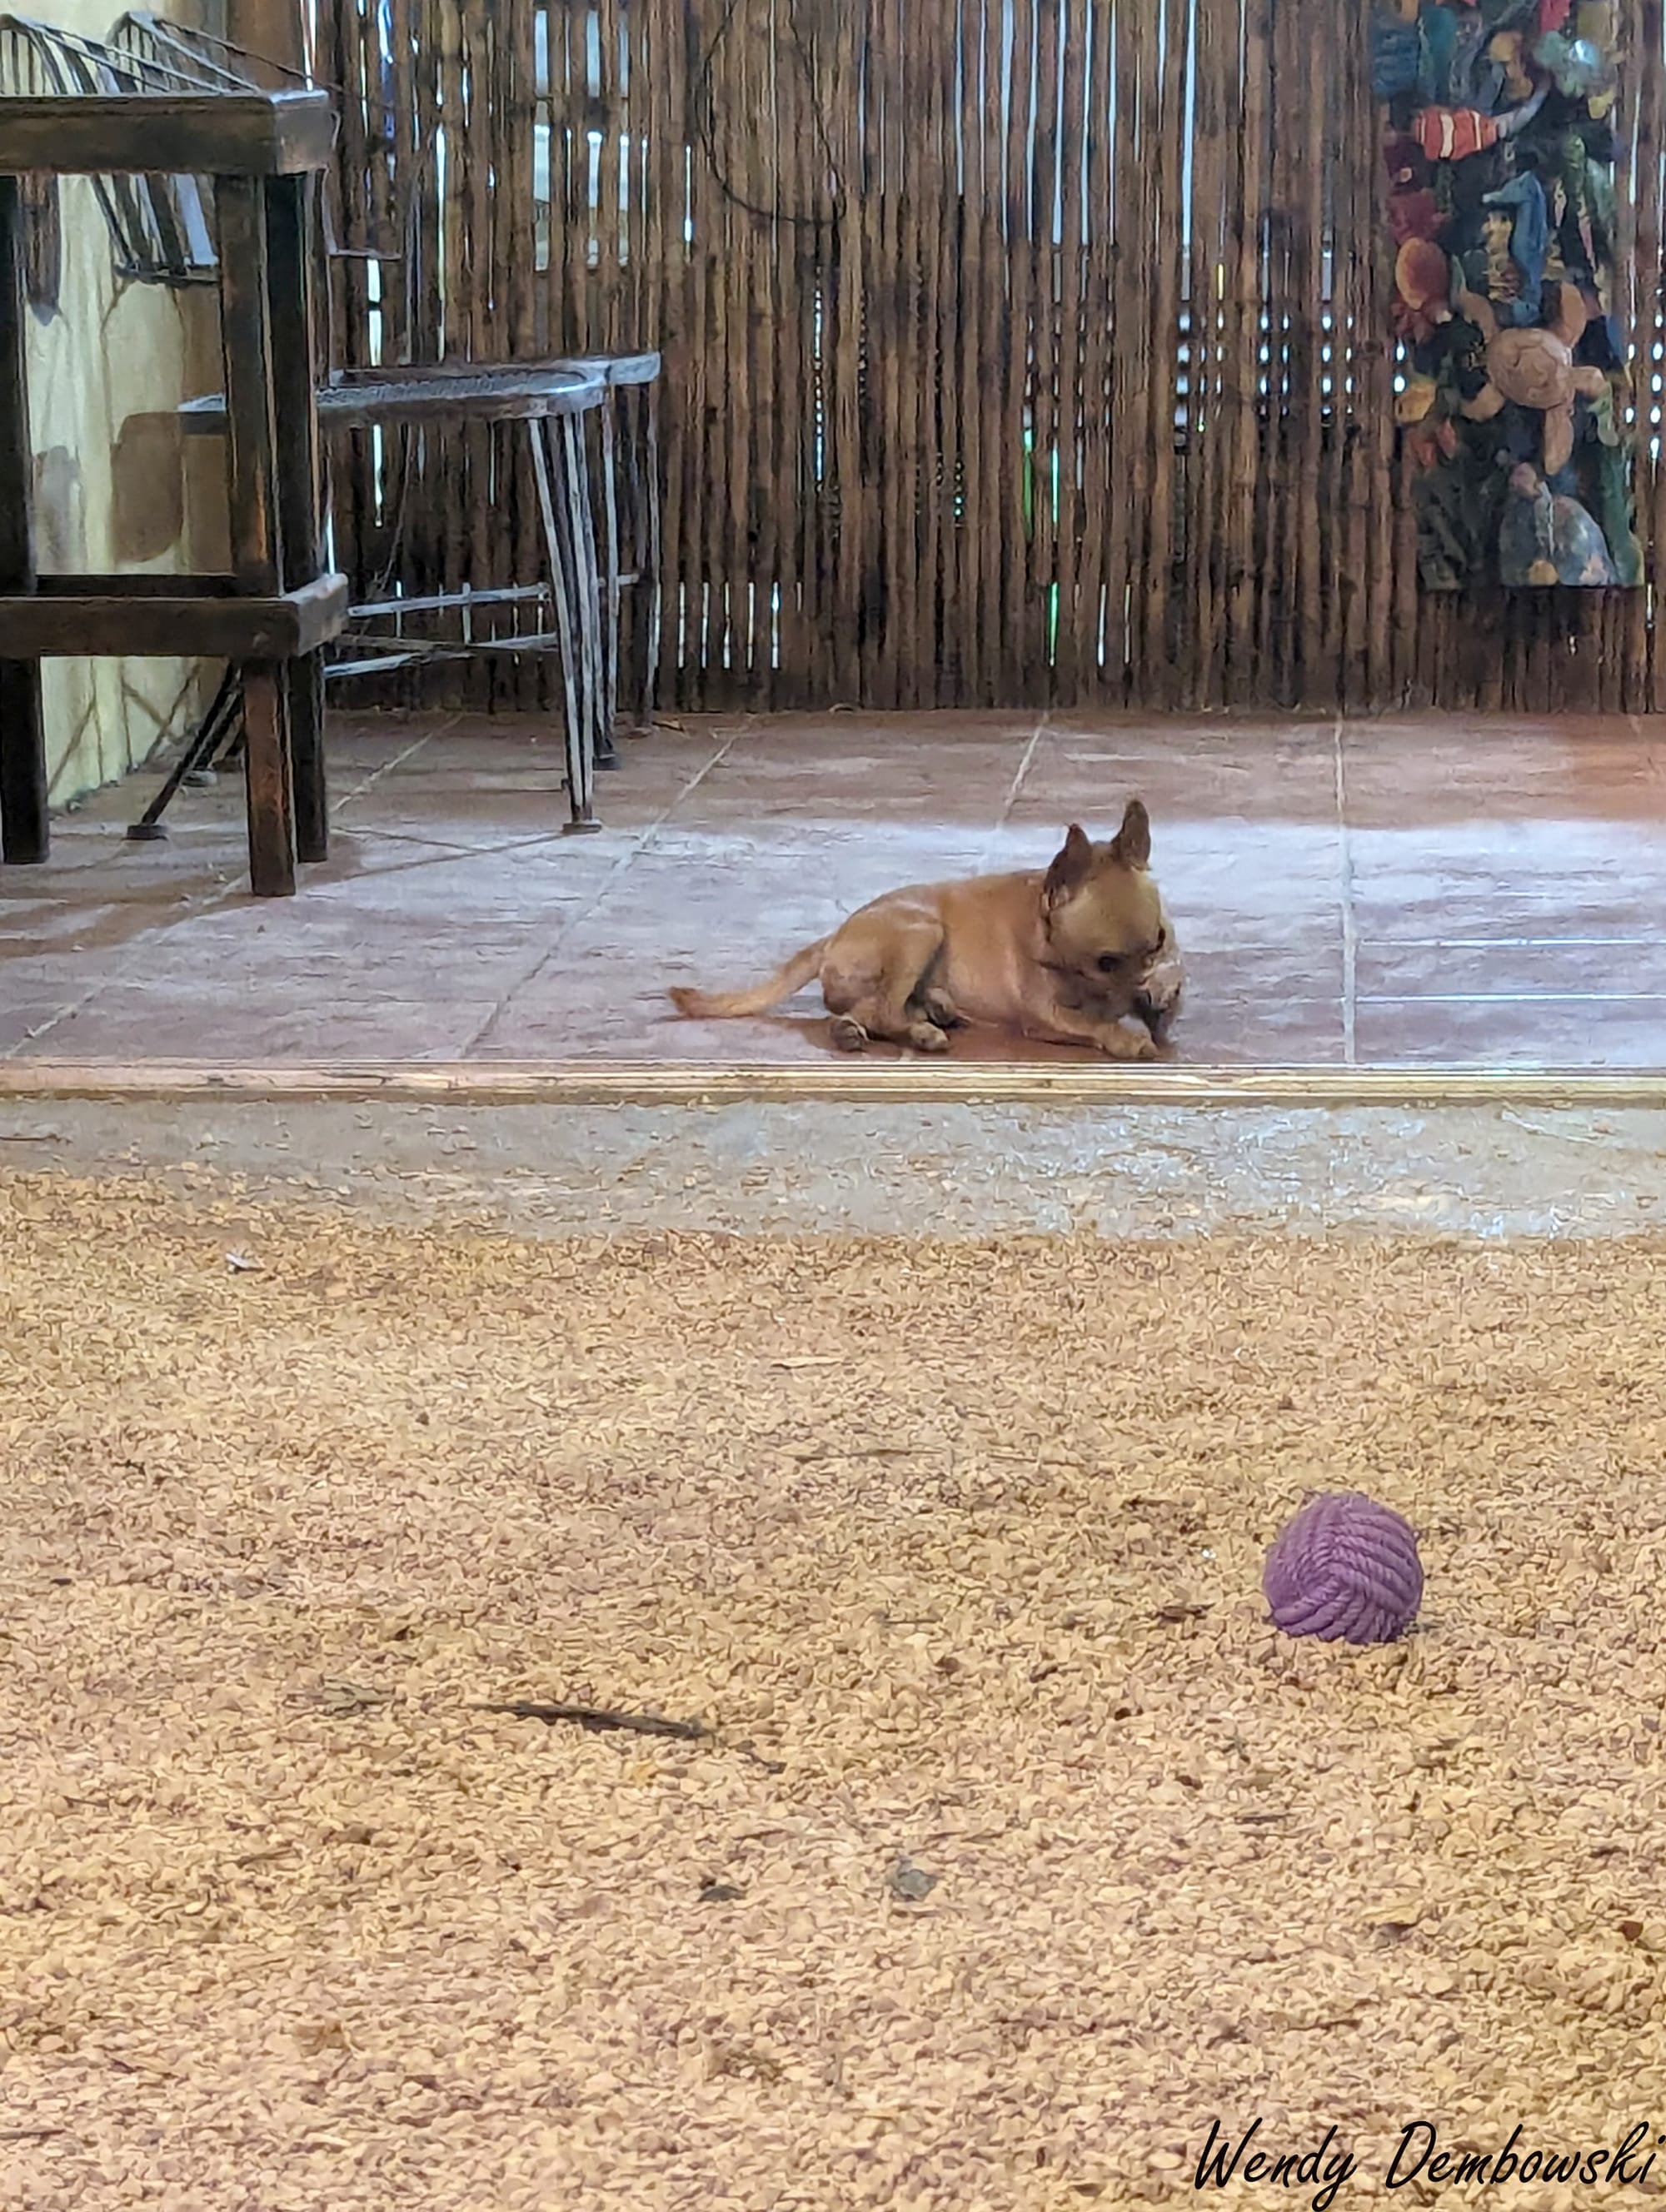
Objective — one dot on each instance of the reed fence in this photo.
(1017, 352)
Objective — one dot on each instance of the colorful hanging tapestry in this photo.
(1498, 145)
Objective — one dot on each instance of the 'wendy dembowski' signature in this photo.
(1326, 2168)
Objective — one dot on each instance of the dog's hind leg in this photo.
(870, 981)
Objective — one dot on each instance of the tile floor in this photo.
(1455, 893)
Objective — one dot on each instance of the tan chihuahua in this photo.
(1080, 953)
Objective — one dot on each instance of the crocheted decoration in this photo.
(1345, 1569)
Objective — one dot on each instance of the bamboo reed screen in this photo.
(1016, 350)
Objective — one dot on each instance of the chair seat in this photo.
(380, 663)
(616, 368)
(358, 399)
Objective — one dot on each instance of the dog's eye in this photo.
(1109, 963)
(1162, 940)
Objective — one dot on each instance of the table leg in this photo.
(256, 524)
(24, 835)
(25, 830)
(291, 216)
(303, 685)
(266, 767)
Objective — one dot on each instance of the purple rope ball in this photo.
(1345, 1569)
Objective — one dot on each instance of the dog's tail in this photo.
(717, 1006)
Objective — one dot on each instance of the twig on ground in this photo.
(597, 1720)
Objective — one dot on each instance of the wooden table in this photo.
(278, 607)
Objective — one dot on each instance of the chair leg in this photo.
(633, 556)
(555, 509)
(649, 567)
(581, 494)
(606, 756)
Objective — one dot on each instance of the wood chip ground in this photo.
(1023, 1847)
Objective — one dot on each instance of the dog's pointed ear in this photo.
(1132, 843)
(1072, 865)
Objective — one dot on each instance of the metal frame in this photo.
(550, 404)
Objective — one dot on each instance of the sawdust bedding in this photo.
(1023, 1848)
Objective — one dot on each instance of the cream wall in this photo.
(106, 375)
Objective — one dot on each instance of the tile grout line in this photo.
(1518, 998)
(1635, 723)
(582, 914)
(129, 953)
(1013, 788)
(1021, 771)
(388, 767)
(1345, 894)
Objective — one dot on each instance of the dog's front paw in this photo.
(1128, 1044)
(1159, 996)
(1158, 1020)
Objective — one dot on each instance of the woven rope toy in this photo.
(1345, 1569)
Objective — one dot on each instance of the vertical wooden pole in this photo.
(25, 840)
(1164, 95)
(1076, 398)
(1098, 492)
